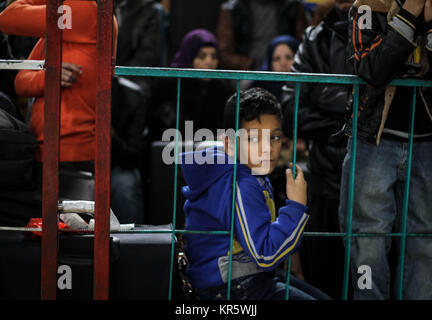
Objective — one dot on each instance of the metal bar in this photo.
(295, 123)
(330, 234)
(294, 161)
(175, 188)
(221, 233)
(258, 75)
(406, 200)
(288, 275)
(221, 74)
(51, 146)
(21, 64)
(351, 194)
(307, 234)
(103, 149)
(234, 191)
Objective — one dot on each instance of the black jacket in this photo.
(322, 107)
(7, 77)
(380, 55)
(139, 44)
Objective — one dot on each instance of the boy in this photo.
(261, 240)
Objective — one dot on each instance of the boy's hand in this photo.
(415, 7)
(428, 11)
(296, 190)
(69, 74)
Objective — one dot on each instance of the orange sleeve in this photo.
(28, 18)
(24, 18)
(31, 83)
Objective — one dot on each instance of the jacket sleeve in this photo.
(321, 106)
(28, 18)
(31, 83)
(24, 18)
(379, 53)
(267, 243)
(230, 59)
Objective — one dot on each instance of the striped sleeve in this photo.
(379, 50)
(267, 243)
(404, 23)
(362, 42)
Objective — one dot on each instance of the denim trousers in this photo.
(127, 197)
(263, 286)
(380, 177)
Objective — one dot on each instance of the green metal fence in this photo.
(297, 78)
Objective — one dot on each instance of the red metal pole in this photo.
(103, 149)
(51, 152)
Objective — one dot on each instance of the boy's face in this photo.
(260, 144)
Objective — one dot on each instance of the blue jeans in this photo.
(377, 208)
(127, 200)
(262, 286)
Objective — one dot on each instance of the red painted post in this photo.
(103, 149)
(51, 152)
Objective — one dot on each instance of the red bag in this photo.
(37, 223)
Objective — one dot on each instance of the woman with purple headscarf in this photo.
(199, 50)
(201, 100)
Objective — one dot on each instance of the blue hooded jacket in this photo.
(261, 241)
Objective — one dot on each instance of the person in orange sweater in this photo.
(79, 70)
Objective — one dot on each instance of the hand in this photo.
(296, 189)
(69, 74)
(428, 11)
(415, 7)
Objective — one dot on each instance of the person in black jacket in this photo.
(396, 44)
(140, 43)
(321, 114)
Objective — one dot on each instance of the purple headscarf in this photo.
(190, 46)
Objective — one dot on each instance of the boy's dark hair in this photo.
(254, 103)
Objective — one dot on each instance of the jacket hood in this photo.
(201, 169)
